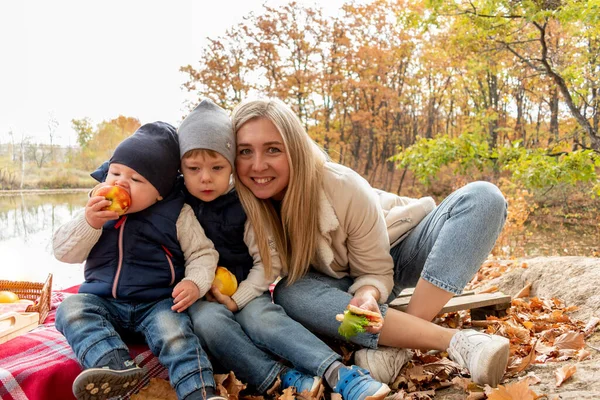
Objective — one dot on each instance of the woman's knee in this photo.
(487, 196)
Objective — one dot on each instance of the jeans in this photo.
(250, 341)
(446, 249)
(92, 326)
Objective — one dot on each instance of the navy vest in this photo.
(223, 221)
(152, 260)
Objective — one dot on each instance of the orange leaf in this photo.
(491, 289)
(590, 326)
(569, 340)
(564, 373)
(288, 394)
(525, 291)
(512, 391)
(523, 363)
(583, 354)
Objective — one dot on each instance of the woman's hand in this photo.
(366, 298)
(216, 296)
(184, 295)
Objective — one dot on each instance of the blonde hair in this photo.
(296, 229)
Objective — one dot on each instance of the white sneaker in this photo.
(384, 363)
(485, 356)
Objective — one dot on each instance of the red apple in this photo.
(119, 197)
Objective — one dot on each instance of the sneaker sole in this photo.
(496, 354)
(380, 394)
(102, 384)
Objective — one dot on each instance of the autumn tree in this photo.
(560, 39)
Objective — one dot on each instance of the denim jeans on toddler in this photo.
(446, 249)
(250, 341)
(92, 325)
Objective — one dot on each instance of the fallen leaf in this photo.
(288, 394)
(524, 292)
(531, 378)
(522, 363)
(229, 384)
(564, 373)
(583, 354)
(512, 391)
(461, 383)
(491, 289)
(157, 389)
(569, 340)
(590, 326)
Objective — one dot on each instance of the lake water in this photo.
(27, 222)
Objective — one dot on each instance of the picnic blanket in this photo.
(41, 365)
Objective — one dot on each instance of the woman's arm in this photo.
(256, 283)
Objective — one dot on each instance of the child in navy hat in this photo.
(134, 274)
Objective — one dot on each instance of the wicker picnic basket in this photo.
(40, 293)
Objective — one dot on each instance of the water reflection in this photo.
(28, 221)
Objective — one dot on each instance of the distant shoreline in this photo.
(7, 193)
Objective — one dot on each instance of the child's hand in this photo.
(216, 296)
(184, 294)
(95, 216)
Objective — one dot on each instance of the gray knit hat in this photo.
(207, 127)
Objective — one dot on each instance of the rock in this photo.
(575, 280)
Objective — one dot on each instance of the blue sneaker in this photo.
(356, 383)
(301, 382)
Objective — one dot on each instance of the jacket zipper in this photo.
(169, 255)
(121, 226)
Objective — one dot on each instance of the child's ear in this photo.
(159, 198)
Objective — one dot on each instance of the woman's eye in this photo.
(244, 152)
(273, 150)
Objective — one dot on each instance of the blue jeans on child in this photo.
(446, 249)
(92, 325)
(250, 341)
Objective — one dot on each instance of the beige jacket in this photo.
(357, 225)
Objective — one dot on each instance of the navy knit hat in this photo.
(153, 152)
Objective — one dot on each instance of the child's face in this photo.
(206, 178)
(143, 193)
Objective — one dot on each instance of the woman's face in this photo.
(261, 161)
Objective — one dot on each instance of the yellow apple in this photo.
(225, 281)
(8, 297)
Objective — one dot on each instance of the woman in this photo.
(333, 231)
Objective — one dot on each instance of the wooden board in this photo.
(13, 324)
(464, 301)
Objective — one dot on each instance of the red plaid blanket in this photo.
(41, 365)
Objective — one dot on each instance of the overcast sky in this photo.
(100, 59)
